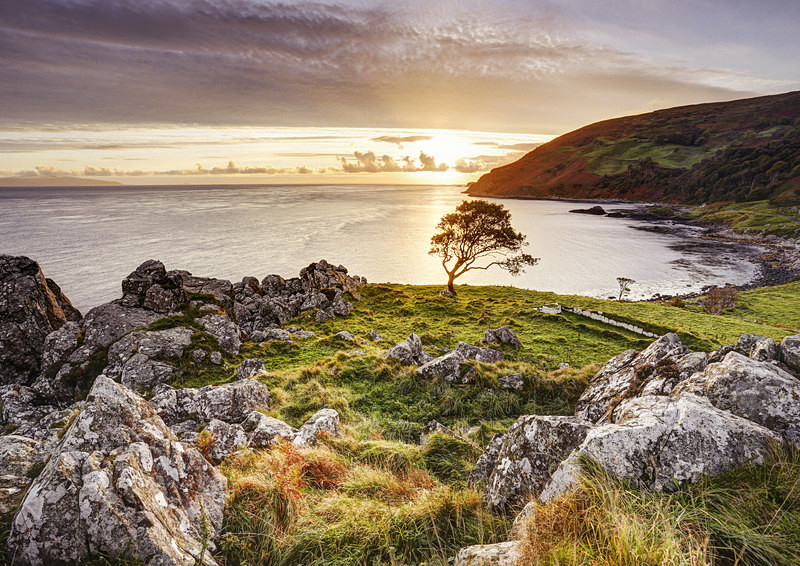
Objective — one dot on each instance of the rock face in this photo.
(531, 451)
(29, 310)
(119, 484)
(624, 375)
(758, 391)
(320, 289)
(660, 442)
(409, 352)
(231, 402)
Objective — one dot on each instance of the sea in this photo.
(88, 239)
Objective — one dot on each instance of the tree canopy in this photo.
(479, 235)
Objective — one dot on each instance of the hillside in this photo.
(744, 150)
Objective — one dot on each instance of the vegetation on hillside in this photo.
(740, 151)
(375, 496)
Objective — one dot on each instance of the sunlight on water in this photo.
(89, 239)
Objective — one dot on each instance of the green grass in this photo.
(759, 217)
(614, 156)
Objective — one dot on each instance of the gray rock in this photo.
(621, 376)
(137, 359)
(374, 336)
(447, 367)
(215, 358)
(19, 457)
(220, 289)
(514, 381)
(746, 343)
(483, 355)
(23, 405)
(563, 365)
(765, 350)
(532, 450)
(357, 353)
(504, 335)
(59, 344)
(659, 443)
(29, 311)
(226, 438)
(345, 335)
(719, 354)
(324, 421)
(434, 427)
(142, 278)
(231, 402)
(120, 485)
(277, 334)
(163, 300)
(758, 391)
(199, 356)
(300, 333)
(225, 331)
(409, 352)
(485, 464)
(790, 352)
(108, 323)
(251, 367)
(263, 431)
(499, 554)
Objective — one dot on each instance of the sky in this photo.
(350, 91)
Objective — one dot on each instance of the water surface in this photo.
(89, 238)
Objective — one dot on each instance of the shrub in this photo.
(720, 299)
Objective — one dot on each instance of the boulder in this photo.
(758, 391)
(485, 464)
(531, 451)
(659, 443)
(374, 336)
(29, 311)
(447, 366)
(324, 421)
(224, 330)
(624, 375)
(137, 359)
(225, 438)
(263, 430)
(58, 345)
(220, 289)
(409, 352)
(23, 405)
(346, 336)
(120, 486)
(251, 367)
(503, 335)
(746, 343)
(513, 381)
(483, 355)
(499, 554)
(19, 457)
(230, 402)
(790, 352)
(108, 323)
(765, 350)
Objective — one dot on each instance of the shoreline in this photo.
(778, 264)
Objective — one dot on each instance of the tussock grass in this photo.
(749, 516)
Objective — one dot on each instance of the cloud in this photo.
(521, 66)
(230, 169)
(482, 163)
(511, 147)
(400, 140)
(369, 162)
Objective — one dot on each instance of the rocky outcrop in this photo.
(409, 352)
(230, 402)
(503, 335)
(758, 391)
(120, 485)
(224, 330)
(29, 310)
(659, 443)
(531, 451)
(625, 375)
(485, 465)
(319, 289)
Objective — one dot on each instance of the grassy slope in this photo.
(375, 496)
(737, 133)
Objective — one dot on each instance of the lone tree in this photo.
(624, 286)
(478, 231)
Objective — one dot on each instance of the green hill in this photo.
(744, 150)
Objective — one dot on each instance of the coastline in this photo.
(778, 264)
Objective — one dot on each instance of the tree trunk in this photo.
(450, 278)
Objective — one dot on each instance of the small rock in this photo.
(199, 356)
(447, 367)
(345, 335)
(409, 352)
(514, 381)
(323, 421)
(263, 430)
(790, 352)
(434, 427)
(215, 358)
(563, 365)
(356, 353)
(225, 331)
(225, 438)
(374, 336)
(499, 554)
(483, 355)
(251, 367)
(504, 335)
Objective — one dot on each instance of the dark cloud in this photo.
(449, 65)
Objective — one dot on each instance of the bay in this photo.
(88, 239)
